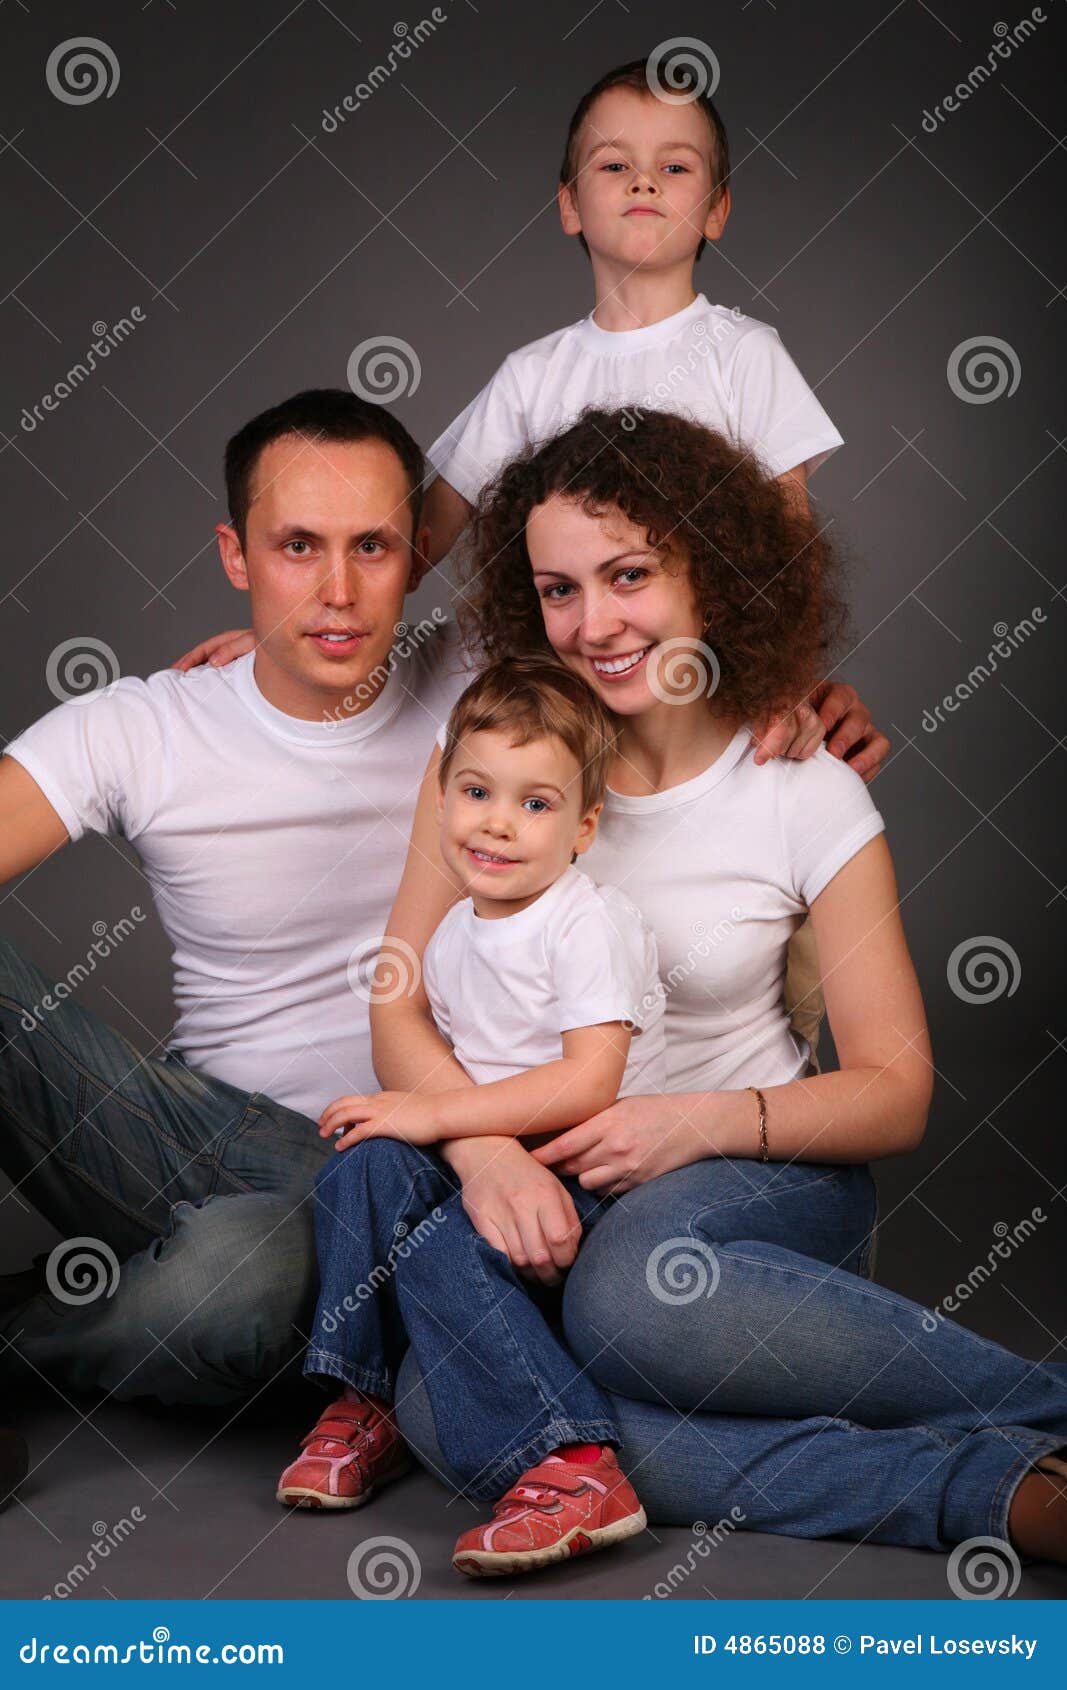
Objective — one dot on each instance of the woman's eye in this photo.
(630, 577)
(557, 592)
(536, 806)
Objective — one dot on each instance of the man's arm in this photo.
(30, 829)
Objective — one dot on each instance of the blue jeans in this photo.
(400, 1263)
(750, 1364)
(200, 1191)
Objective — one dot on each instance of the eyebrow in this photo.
(299, 531)
(535, 785)
(672, 146)
(634, 551)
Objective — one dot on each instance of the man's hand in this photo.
(518, 1206)
(388, 1114)
(834, 713)
(219, 650)
(635, 1140)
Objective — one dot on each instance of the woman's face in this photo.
(611, 603)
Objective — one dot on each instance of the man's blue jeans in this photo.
(201, 1191)
(400, 1263)
(750, 1365)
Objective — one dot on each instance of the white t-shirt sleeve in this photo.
(601, 971)
(98, 760)
(827, 816)
(774, 409)
(487, 434)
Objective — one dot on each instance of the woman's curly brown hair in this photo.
(764, 576)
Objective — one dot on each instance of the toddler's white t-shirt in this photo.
(712, 364)
(724, 867)
(273, 847)
(503, 990)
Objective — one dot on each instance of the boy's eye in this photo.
(475, 792)
(536, 806)
(684, 168)
(614, 164)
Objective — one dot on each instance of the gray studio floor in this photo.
(201, 1521)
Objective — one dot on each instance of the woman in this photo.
(724, 1298)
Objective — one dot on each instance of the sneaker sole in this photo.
(303, 1496)
(487, 1563)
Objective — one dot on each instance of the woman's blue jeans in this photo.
(751, 1365)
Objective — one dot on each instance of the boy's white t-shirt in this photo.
(724, 867)
(505, 989)
(712, 364)
(273, 848)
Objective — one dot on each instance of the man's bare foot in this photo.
(1037, 1518)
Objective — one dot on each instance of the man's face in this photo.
(327, 561)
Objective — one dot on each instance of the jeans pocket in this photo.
(272, 1148)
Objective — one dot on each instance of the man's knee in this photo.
(235, 1296)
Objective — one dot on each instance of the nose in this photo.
(499, 822)
(337, 587)
(642, 184)
(602, 619)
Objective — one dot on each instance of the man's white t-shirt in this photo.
(273, 847)
(505, 989)
(712, 364)
(723, 867)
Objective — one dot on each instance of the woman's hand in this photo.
(219, 650)
(388, 1114)
(636, 1139)
(518, 1206)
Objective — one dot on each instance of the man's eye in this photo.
(294, 543)
(371, 545)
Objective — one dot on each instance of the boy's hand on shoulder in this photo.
(385, 1114)
(833, 714)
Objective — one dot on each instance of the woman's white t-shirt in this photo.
(723, 867)
(505, 989)
(712, 364)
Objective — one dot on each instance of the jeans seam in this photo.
(336, 1367)
(80, 1173)
(755, 1196)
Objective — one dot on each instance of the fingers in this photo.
(538, 1256)
(571, 1143)
(833, 700)
(241, 640)
(869, 759)
(772, 739)
(341, 1112)
(809, 732)
(851, 730)
(599, 1179)
(562, 1231)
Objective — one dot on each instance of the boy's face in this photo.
(646, 172)
(327, 560)
(511, 818)
(611, 602)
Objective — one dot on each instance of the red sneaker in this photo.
(556, 1510)
(353, 1448)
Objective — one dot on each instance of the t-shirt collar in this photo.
(502, 929)
(634, 804)
(637, 340)
(324, 734)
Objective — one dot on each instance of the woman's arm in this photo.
(874, 1105)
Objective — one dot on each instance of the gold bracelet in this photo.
(762, 1101)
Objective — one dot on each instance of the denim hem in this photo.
(360, 1378)
(491, 1483)
(1012, 1478)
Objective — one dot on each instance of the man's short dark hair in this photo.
(319, 413)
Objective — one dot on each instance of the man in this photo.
(270, 804)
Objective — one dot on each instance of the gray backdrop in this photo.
(260, 248)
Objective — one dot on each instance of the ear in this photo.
(715, 222)
(233, 558)
(420, 558)
(568, 210)
(587, 829)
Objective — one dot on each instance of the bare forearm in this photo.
(541, 1100)
(853, 1115)
(409, 1053)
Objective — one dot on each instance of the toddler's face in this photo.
(511, 818)
(645, 181)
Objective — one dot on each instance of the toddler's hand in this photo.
(385, 1114)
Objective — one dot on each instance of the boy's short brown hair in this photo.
(635, 75)
(537, 698)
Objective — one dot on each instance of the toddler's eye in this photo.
(476, 792)
(536, 806)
